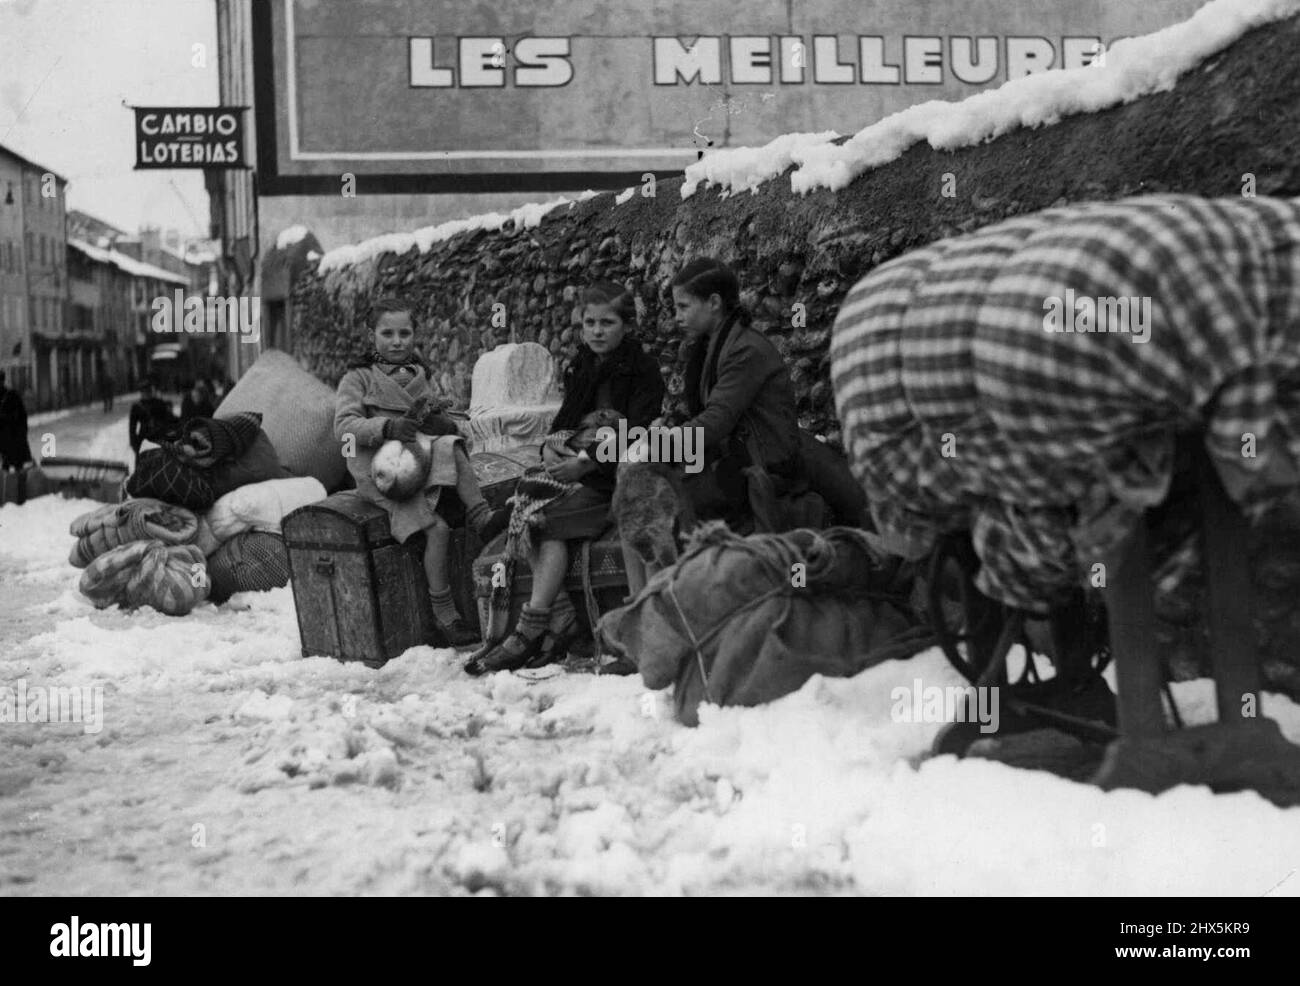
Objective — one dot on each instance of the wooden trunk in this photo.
(360, 595)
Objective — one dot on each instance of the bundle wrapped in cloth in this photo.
(1028, 382)
(726, 625)
(211, 457)
(170, 578)
(116, 524)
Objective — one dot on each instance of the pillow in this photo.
(259, 463)
(297, 415)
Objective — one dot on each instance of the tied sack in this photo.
(734, 622)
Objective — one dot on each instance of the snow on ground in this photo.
(227, 763)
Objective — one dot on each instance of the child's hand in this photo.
(403, 429)
(569, 470)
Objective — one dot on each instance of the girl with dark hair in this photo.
(610, 372)
(378, 402)
(738, 391)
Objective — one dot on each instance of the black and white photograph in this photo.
(652, 449)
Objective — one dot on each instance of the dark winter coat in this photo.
(740, 393)
(627, 380)
(151, 418)
(14, 450)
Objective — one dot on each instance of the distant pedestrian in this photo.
(151, 418)
(106, 388)
(198, 402)
(15, 453)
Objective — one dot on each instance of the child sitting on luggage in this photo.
(372, 407)
(568, 499)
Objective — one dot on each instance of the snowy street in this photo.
(226, 763)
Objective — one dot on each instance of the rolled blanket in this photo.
(261, 506)
(206, 442)
(173, 579)
(116, 524)
(170, 578)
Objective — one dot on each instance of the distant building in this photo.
(128, 272)
(34, 352)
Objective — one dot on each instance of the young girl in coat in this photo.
(610, 372)
(371, 408)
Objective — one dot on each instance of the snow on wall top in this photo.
(1130, 69)
(525, 217)
(289, 236)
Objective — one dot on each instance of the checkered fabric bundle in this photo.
(961, 410)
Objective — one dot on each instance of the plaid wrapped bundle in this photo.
(250, 562)
(961, 410)
(160, 475)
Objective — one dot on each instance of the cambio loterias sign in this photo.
(189, 137)
(441, 95)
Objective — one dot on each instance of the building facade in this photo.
(37, 357)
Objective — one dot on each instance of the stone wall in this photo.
(1238, 113)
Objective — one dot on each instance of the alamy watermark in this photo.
(195, 313)
(657, 443)
(1091, 315)
(954, 703)
(43, 704)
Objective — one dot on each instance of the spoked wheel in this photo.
(966, 622)
(976, 635)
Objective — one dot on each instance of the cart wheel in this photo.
(966, 622)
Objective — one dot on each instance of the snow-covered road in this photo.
(226, 763)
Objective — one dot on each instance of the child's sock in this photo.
(444, 607)
(562, 611)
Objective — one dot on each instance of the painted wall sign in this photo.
(189, 137)
(439, 95)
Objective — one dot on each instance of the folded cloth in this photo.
(258, 463)
(261, 506)
(161, 475)
(204, 539)
(171, 578)
(206, 442)
(116, 524)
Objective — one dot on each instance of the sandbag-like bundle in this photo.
(297, 414)
(727, 625)
(994, 382)
(116, 524)
(170, 578)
